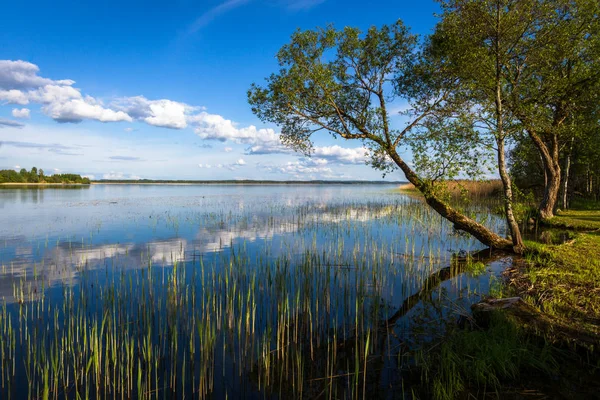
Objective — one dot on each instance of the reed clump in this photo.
(475, 189)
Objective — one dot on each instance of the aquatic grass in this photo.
(300, 315)
(476, 362)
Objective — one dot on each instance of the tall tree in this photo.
(560, 83)
(537, 60)
(478, 39)
(343, 83)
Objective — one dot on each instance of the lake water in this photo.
(237, 291)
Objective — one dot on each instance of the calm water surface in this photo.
(216, 290)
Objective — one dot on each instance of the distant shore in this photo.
(245, 182)
(214, 182)
(41, 184)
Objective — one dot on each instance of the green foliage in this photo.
(585, 204)
(497, 288)
(524, 205)
(539, 254)
(343, 82)
(475, 268)
(11, 176)
(533, 70)
(35, 176)
(526, 167)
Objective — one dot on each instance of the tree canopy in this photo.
(545, 57)
(343, 82)
(38, 176)
(494, 75)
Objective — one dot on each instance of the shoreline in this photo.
(42, 184)
(243, 183)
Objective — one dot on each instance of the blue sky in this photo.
(156, 89)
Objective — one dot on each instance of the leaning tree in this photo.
(344, 83)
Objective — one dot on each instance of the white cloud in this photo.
(76, 110)
(269, 148)
(13, 96)
(267, 141)
(21, 84)
(168, 114)
(51, 94)
(399, 108)
(162, 113)
(10, 123)
(316, 161)
(301, 169)
(119, 176)
(231, 167)
(334, 154)
(215, 127)
(342, 155)
(24, 75)
(22, 113)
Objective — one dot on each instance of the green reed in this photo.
(305, 319)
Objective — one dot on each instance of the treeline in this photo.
(38, 176)
(579, 161)
(246, 182)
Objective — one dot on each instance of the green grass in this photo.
(576, 219)
(528, 353)
(581, 203)
(563, 281)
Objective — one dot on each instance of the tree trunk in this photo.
(460, 221)
(565, 188)
(515, 232)
(544, 169)
(517, 240)
(552, 170)
(550, 198)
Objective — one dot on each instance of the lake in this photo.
(237, 291)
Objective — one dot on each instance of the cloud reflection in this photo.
(24, 276)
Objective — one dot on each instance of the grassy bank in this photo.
(549, 347)
(563, 283)
(576, 220)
